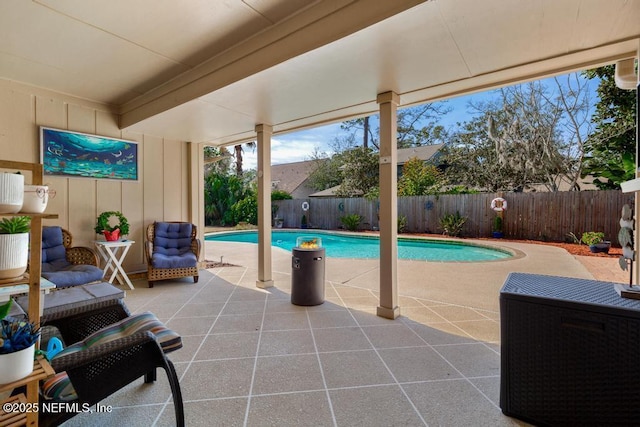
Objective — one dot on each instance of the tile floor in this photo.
(251, 358)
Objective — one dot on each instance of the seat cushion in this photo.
(59, 386)
(172, 238)
(73, 275)
(185, 260)
(53, 250)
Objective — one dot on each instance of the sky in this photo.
(300, 146)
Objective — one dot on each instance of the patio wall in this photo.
(161, 193)
(536, 216)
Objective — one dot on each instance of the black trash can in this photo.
(307, 278)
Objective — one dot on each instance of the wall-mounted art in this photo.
(75, 154)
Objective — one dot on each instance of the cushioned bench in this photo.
(64, 302)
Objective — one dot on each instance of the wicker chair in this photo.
(172, 250)
(100, 370)
(66, 265)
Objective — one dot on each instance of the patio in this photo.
(250, 357)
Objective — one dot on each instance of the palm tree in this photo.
(238, 150)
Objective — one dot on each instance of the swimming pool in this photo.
(340, 245)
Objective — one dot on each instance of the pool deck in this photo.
(251, 358)
(468, 284)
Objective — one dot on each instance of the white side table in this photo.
(113, 253)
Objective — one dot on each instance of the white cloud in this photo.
(295, 147)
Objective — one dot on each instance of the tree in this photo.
(470, 158)
(238, 150)
(221, 192)
(419, 179)
(325, 171)
(611, 147)
(216, 160)
(417, 126)
(519, 141)
(360, 172)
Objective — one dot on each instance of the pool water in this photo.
(347, 246)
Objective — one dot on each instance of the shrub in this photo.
(245, 210)
(402, 224)
(452, 224)
(592, 237)
(497, 224)
(280, 195)
(351, 221)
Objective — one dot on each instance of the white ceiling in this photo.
(210, 70)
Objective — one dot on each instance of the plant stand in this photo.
(33, 278)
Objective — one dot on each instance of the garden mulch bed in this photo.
(572, 248)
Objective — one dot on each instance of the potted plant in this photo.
(303, 222)
(115, 231)
(497, 228)
(11, 192)
(14, 246)
(17, 346)
(596, 242)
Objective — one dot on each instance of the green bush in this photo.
(280, 195)
(402, 224)
(452, 224)
(245, 210)
(497, 224)
(351, 221)
(592, 237)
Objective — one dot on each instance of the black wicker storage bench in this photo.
(570, 352)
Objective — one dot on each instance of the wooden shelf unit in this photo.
(35, 265)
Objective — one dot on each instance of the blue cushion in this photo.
(52, 247)
(172, 239)
(73, 275)
(185, 260)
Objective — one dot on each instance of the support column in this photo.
(196, 189)
(388, 307)
(265, 278)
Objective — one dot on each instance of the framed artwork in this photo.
(75, 154)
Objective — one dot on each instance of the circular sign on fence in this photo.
(305, 206)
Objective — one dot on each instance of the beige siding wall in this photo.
(160, 194)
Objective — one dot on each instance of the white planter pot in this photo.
(14, 255)
(17, 365)
(36, 198)
(11, 192)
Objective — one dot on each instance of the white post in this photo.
(265, 278)
(388, 307)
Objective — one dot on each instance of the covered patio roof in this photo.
(226, 72)
(209, 71)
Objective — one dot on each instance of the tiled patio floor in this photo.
(251, 358)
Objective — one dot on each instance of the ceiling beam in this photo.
(314, 27)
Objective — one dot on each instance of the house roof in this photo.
(210, 72)
(425, 152)
(289, 176)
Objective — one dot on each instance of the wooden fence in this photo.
(533, 216)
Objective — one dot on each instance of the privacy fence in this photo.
(533, 216)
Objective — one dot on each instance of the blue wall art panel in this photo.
(74, 154)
